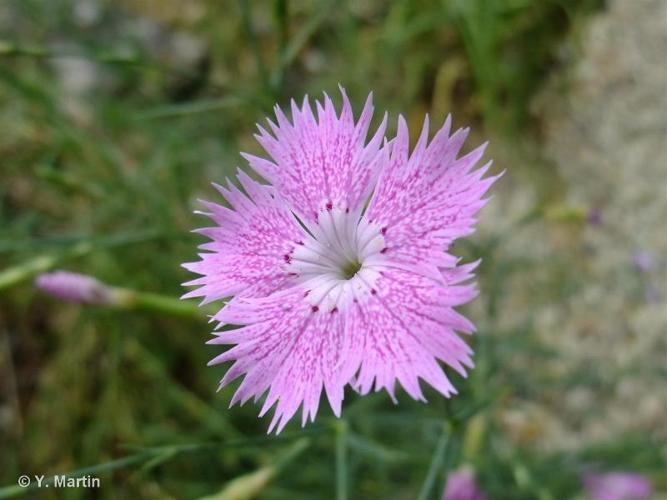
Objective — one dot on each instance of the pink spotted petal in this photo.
(320, 159)
(289, 351)
(405, 329)
(429, 198)
(249, 244)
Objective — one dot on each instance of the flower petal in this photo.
(428, 199)
(320, 161)
(290, 349)
(250, 242)
(405, 328)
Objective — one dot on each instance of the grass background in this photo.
(115, 118)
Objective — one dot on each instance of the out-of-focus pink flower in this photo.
(73, 287)
(461, 485)
(618, 486)
(644, 261)
(339, 269)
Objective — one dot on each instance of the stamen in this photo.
(340, 259)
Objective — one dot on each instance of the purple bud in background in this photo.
(76, 288)
(644, 261)
(461, 485)
(618, 486)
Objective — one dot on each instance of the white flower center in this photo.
(341, 260)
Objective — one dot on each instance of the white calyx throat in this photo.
(340, 261)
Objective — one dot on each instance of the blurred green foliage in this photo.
(115, 118)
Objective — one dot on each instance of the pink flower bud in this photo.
(461, 485)
(76, 288)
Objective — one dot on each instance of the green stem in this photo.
(27, 270)
(341, 459)
(81, 245)
(437, 462)
(290, 51)
(246, 20)
(134, 300)
(188, 108)
(8, 48)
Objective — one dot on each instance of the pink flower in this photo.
(644, 261)
(339, 269)
(461, 485)
(73, 287)
(618, 486)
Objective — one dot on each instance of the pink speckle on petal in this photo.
(353, 226)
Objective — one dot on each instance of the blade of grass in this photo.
(299, 41)
(250, 485)
(373, 450)
(85, 245)
(188, 108)
(27, 270)
(211, 418)
(246, 20)
(120, 239)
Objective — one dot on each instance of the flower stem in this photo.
(27, 270)
(246, 22)
(341, 460)
(134, 300)
(437, 462)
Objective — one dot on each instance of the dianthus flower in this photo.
(338, 270)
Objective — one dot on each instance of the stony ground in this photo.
(604, 313)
